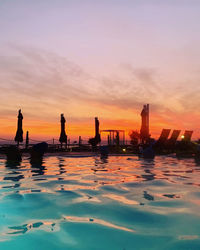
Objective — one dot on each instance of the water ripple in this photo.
(82, 202)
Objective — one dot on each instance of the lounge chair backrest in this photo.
(174, 136)
(164, 135)
(187, 135)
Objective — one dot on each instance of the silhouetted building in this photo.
(144, 131)
(19, 133)
(97, 139)
(63, 136)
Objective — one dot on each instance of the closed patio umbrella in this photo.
(19, 133)
(27, 139)
(63, 136)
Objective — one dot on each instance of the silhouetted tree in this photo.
(135, 136)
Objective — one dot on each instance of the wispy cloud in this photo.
(45, 85)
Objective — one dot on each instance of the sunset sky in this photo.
(102, 58)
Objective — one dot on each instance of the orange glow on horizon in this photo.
(46, 130)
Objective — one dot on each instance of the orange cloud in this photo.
(45, 85)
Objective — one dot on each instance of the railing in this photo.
(51, 142)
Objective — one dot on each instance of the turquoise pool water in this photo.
(91, 203)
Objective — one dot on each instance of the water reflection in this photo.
(12, 164)
(148, 196)
(111, 170)
(103, 160)
(197, 161)
(62, 166)
(148, 165)
(119, 193)
(38, 169)
(13, 174)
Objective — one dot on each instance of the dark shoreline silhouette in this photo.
(141, 142)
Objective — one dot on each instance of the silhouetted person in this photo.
(19, 133)
(63, 136)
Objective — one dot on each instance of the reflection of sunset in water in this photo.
(144, 198)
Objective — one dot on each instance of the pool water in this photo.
(120, 203)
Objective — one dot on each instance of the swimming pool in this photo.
(91, 203)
